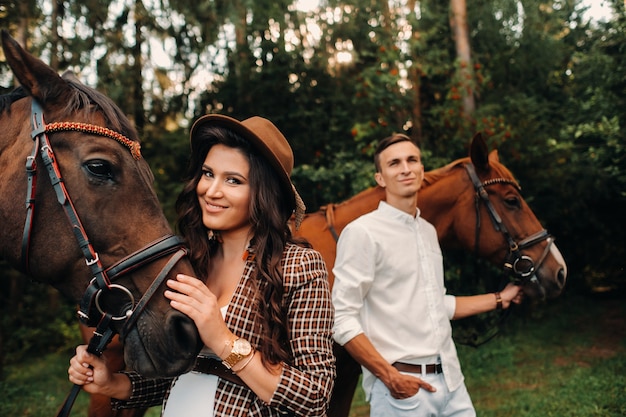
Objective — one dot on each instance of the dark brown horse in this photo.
(475, 204)
(83, 216)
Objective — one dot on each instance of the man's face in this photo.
(401, 170)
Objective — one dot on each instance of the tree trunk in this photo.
(54, 32)
(415, 77)
(138, 94)
(242, 60)
(460, 32)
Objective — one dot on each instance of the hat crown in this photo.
(274, 142)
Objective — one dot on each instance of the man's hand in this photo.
(405, 385)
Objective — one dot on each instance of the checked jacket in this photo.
(305, 385)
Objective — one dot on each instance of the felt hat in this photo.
(268, 140)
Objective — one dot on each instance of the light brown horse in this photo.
(475, 204)
(78, 212)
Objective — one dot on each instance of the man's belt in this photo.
(213, 366)
(422, 369)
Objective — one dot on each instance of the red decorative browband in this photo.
(96, 130)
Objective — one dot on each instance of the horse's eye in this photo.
(513, 202)
(99, 169)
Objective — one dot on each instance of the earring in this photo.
(214, 236)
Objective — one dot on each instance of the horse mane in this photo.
(83, 98)
(436, 174)
(432, 176)
(7, 99)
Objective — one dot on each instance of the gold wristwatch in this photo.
(241, 349)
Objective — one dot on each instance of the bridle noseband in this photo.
(92, 311)
(521, 266)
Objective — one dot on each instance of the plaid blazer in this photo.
(306, 384)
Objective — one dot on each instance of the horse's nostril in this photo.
(184, 334)
(561, 278)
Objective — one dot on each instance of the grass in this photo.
(37, 388)
(565, 358)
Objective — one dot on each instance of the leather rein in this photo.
(92, 312)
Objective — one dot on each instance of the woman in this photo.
(262, 304)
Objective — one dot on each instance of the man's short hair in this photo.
(387, 142)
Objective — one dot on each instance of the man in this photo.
(392, 312)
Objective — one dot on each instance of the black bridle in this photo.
(520, 266)
(92, 312)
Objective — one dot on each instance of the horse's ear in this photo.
(479, 154)
(40, 80)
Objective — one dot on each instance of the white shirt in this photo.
(193, 394)
(389, 285)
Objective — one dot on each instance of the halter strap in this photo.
(41, 146)
(521, 266)
(90, 311)
(31, 188)
(47, 155)
(329, 211)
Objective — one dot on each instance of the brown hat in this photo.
(268, 140)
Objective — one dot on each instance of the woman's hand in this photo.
(192, 297)
(91, 372)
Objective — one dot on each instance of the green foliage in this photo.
(342, 180)
(33, 318)
(550, 91)
(595, 162)
(168, 155)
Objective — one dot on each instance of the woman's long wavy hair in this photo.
(270, 209)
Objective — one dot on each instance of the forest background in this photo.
(545, 84)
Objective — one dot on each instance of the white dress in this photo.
(193, 394)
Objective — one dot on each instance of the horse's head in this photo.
(90, 152)
(483, 210)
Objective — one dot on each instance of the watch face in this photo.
(242, 347)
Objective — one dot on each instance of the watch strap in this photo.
(234, 357)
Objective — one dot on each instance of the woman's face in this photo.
(224, 190)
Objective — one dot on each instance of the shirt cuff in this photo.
(450, 305)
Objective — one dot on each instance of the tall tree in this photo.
(460, 31)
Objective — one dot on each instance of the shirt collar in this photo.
(398, 214)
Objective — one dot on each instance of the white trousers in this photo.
(441, 403)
